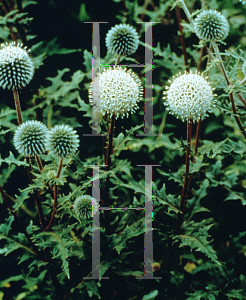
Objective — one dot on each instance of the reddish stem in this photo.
(183, 200)
(17, 106)
(55, 197)
(182, 39)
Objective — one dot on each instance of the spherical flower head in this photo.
(211, 25)
(116, 91)
(84, 205)
(62, 141)
(16, 67)
(189, 97)
(29, 138)
(122, 40)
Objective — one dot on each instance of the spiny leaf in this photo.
(59, 245)
(14, 245)
(12, 160)
(196, 237)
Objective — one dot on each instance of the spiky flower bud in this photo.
(244, 68)
(116, 91)
(29, 138)
(189, 97)
(62, 141)
(83, 206)
(211, 25)
(16, 67)
(51, 174)
(122, 40)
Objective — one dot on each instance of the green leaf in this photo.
(196, 237)
(195, 167)
(12, 160)
(120, 142)
(6, 227)
(14, 245)
(236, 294)
(135, 229)
(151, 295)
(60, 246)
(6, 283)
(236, 196)
(83, 16)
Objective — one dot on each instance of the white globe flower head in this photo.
(116, 91)
(189, 97)
(16, 67)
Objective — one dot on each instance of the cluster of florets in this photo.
(116, 91)
(16, 67)
(84, 206)
(33, 138)
(122, 40)
(189, 97)
(29, 138)
(62, 141)
(211, 25)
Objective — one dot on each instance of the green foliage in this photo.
(199, 248)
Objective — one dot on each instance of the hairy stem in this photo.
(39, 163)
(17, 106)
(163, 123)
(55, 196)
(108, 166)
(197, 142)
(110, 143)
(37, 199)
(183, 199)
(182, 39)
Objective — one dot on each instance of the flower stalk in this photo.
(55, 196)
(17, 106)
(184, 195)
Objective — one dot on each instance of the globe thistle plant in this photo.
(189, 97)
(16, 67)
(62, 141)
(122, 40)
(116, 91)
(29, 138)
(83, 206)
(211, 25)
